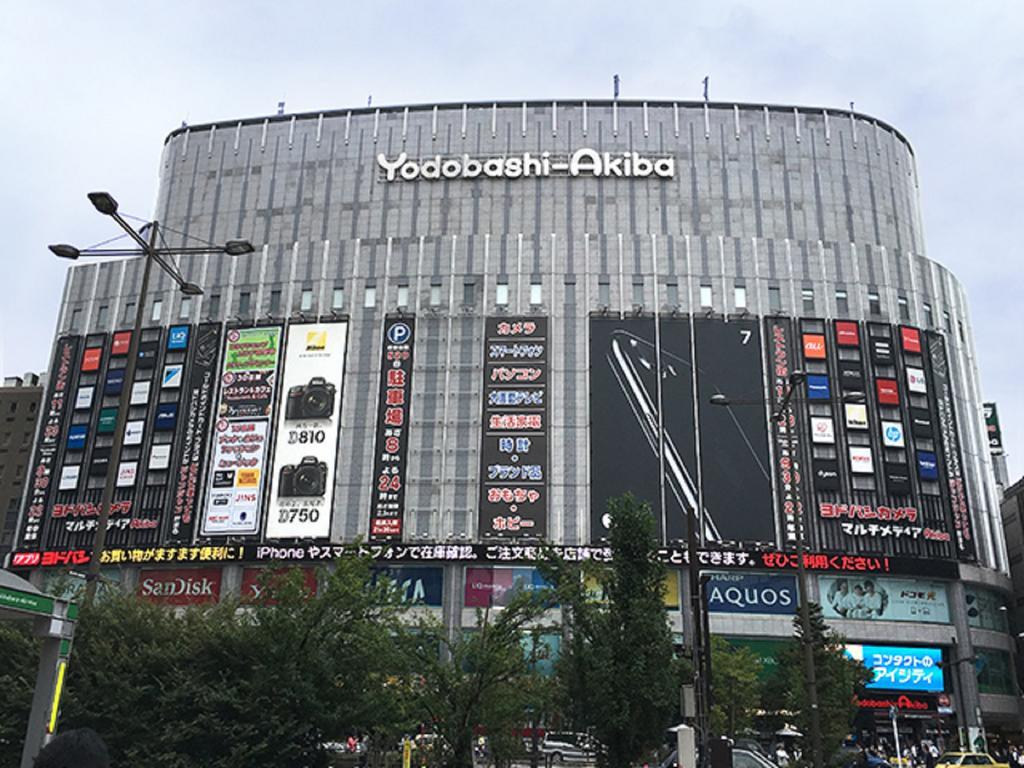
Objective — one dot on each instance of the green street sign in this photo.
(26, 602)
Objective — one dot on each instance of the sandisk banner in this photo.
(242, 429)
(513, 472)
(387, 507)
(950, 442)
(195, 424)
(51, 427)
(185, 586)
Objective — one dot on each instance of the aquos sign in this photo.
(750, 593)
(583, 162)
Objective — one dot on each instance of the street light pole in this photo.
(105, 204)
(99, 540)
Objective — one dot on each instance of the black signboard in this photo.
(387, 507)
(995, 433)
(100, 462)
(194, 425)
(949, 441)
(514, 465)
(881, 351)
(55, 408)
(851, 376)
(897, 479)
(921, 423)
(826, 474)
(147, 354)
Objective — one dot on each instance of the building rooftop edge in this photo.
(537, 103)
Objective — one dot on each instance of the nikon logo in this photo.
(582, 162)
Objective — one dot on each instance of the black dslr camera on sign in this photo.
(307, 478)
(314, 400)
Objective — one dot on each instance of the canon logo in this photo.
(582, 162)
(180, 587)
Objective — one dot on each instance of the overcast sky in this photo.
(90, 90)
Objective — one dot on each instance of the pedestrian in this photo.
(781, 756)
(78, 748)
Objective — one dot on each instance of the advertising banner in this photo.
(494, 587)
(751, 593)
(626, 420)
(54, 413)
(420, 585)
(387, 506)
(949, 440)
(995, 433)
(197, 408)
(308, 425)
(513, 455)
(788, 469)
(239, 453)
(885, 599)
(986, 609)
(258, 583)
(900, 668)
(184, 586)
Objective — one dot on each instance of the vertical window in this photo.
(638, 293)
(435, 295)
(774, 298)
(672, 294)
(185, 308)
(947, 322)
(214, 309)
(739, 296)
(129, 312)
(604, 292)
(244, 303)
(101, 315)
(501, 294)
(403, 296)
(842, 303)
(468, 293)
(158, 310)
(960, 328)
(536, 294)
(874, 303)
(904, 307)
(370, 297)
(338, 298)
(275, 302)
(807, 295)
(76, 319)
(306, 300)
(706, 296)
(929, 318)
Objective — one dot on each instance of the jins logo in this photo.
(582, 162)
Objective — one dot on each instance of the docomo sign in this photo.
(582, 162)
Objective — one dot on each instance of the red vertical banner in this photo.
(387, 507)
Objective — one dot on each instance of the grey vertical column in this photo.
(452, 604)
(962, 664)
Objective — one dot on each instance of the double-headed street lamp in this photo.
(783, 414)
(105, 204)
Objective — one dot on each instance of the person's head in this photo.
(869, 586)
(858, 589)
(79, 748)
(842, 586)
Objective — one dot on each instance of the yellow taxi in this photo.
(955, 759)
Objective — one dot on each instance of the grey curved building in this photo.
(657, 253)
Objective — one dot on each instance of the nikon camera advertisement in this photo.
(302, 486)
(240, 434)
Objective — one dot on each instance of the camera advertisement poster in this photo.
(388, 503)
(308, 424)
(241, 431)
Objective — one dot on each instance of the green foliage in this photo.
(19, 655)
(736, 687)
(619, 678)
(480, 678)
(838, 677)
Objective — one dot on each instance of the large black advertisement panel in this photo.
(949, 441)
(198, 407)
(51, 430)
(387, 507)
(513, 472)
(642, 423)
(737, 487)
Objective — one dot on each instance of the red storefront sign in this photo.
(91, 359)
(256, 582)
(911, 339)
(888, 392)
(847, 334)
(814, 346)
(185, 586)
(119, 346)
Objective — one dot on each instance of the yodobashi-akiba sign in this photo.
(583, 162)
(181, 587)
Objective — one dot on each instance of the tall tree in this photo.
(618, 671)
(735, 687)
(839, 679)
